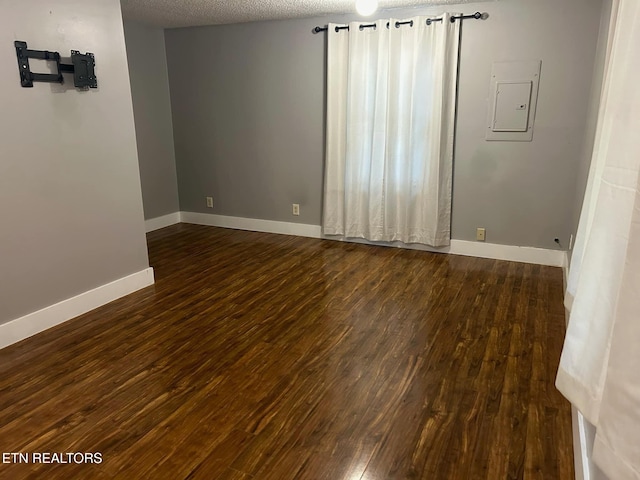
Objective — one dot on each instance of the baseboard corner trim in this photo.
(513, 253)
(252, 224)
(161, 222)
(580, 452)
(41, 320)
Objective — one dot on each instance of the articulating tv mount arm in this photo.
(82, 67)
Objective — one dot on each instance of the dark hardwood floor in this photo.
(259, 356)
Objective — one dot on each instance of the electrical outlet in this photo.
(480, 234)
(209, 202)
(296, 209)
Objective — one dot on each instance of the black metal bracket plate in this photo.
(84, 75)
(27, 77)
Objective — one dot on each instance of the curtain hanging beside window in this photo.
(599, 366)
(390, 123)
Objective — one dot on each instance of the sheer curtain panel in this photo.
(600, 364)
(390, 122)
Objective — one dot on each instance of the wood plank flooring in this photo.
(259, 356)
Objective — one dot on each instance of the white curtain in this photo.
(390, 120)
(600, 364)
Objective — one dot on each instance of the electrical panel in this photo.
(512, 102)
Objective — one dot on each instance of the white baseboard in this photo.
(580, 453)
(161, 222)
(565, 270)
(253, 224)
(579, 427)
(539, 256)
(36, 322)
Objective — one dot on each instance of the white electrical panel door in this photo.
(511, 109)
(512, 102)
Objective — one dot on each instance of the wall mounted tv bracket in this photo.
(82, 67)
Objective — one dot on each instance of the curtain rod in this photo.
(476, 16)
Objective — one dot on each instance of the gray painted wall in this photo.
(70, 202)
(524, 192)
(152, 112)
(249, 127)
(592, 114)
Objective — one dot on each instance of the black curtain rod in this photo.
(476, 16)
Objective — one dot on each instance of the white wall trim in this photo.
(581, 462)
(540, 256)
(36, 322)
(161, 222)
(253, 224)
(580, 453)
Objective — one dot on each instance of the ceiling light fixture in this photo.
(366, 7)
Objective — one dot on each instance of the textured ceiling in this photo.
(187, 13)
